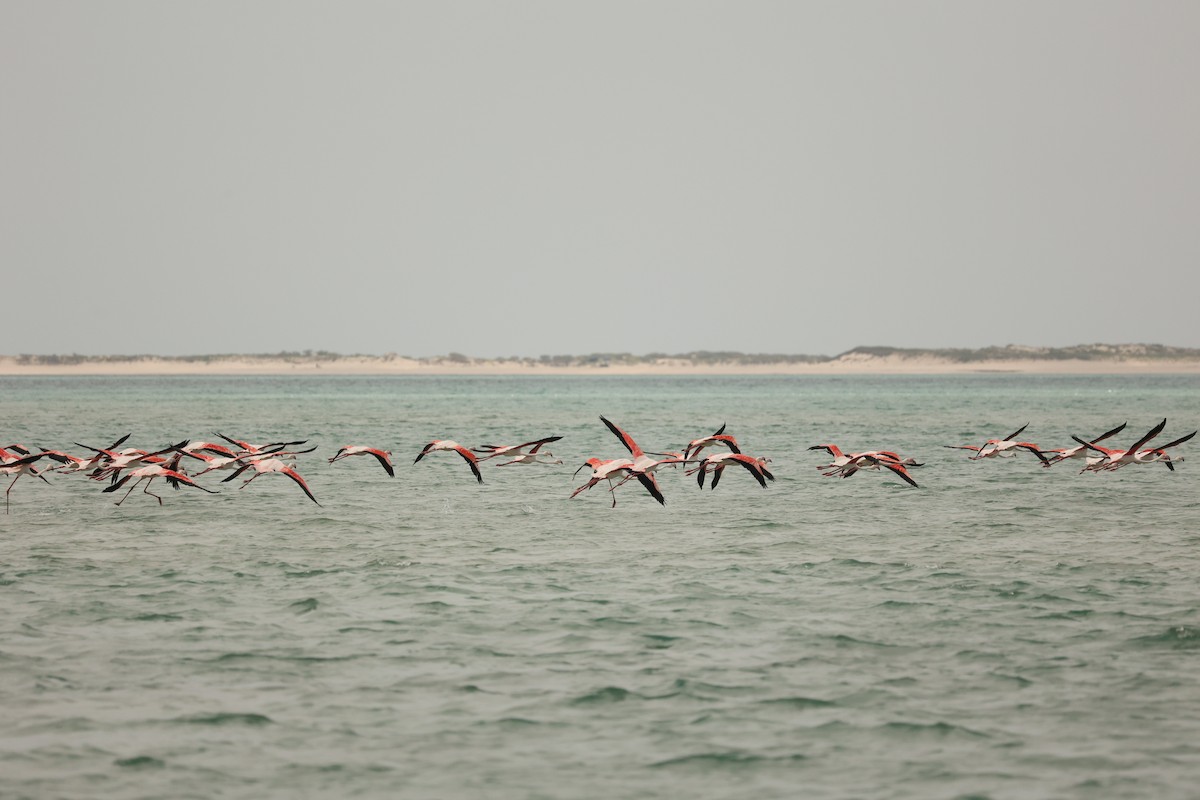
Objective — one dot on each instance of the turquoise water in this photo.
(1005, 631)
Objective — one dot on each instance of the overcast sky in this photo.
(527, 178)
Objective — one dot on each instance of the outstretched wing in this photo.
(1178, 441)
(295, 476)
(647, 480)
(625, 438)
(1015, 433)
(471, 460)
(898, 469)
(536, 445)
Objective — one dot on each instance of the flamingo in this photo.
(840, 459)
(716, 464)
(720, 437)
(449, 444)
(605, 470)
(883, 459)
(1079, 450)
(17, 467)
(1005, 447)
(643, 465)
(265, 466)
(148, 474)
(1155, 456)
(517, 451)
(73, 463)
(846, 464)
(218, 463)
(1111, 459)
(128, 460)
(1114, 459)
(531, 458)
(382, 456)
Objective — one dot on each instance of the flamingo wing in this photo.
(383, 460)
(424, 451)
(1015, 433)
(1033, 448)
(1180, 440)
(625, 438)
(1107, 434)
(295, 476)
(897, 468)
(471, 460)
(754, 468)
(647, 480)
(1155, 431)
(537, 445)
(179, 477)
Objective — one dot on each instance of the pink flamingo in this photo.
(382, 456)
(11, 465)
(1079, 450)
(717, 462)
(517, 451)
(149, 473)
(267, 466)
(605, 470)
(1005, 447)
(449, 444)
(720, 437)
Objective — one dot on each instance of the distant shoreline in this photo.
(860, 364)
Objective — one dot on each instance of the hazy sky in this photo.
(527, 178)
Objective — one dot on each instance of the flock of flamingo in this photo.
(133, 468)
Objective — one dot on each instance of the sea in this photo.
(1003, 631)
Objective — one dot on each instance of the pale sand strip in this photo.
(858, 364)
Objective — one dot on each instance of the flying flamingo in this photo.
(517, 451)
(605, 470)
(1114, 459)
(717, 462)
(1005, 447)
(720, 437)
(151, 471)
(1161, 454)
(448, 444)
(264, 466)
(18, 467)
(840, 459)
(880, 460)
(532, 457)
(73, 463)
(382, 456)
(1079, 450)
(1111, 459)
(643, 465)
(128, 460)
(846, 464)
(217, 463)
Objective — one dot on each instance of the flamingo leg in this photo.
(131, 488)
(146, 490)
(14, 483)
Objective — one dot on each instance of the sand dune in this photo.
(853, 363)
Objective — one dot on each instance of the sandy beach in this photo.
(850, 364)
